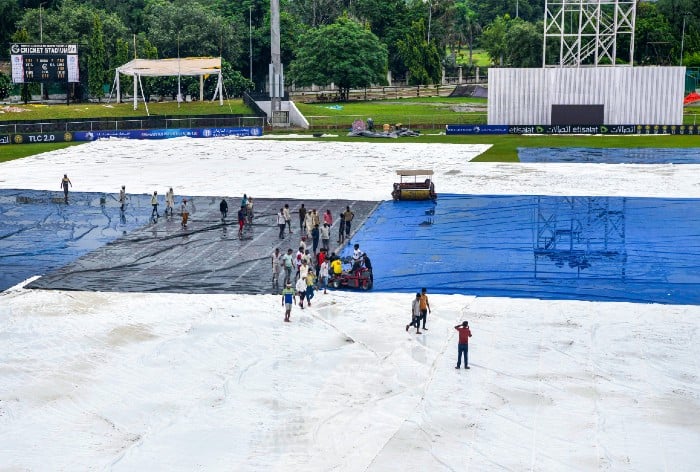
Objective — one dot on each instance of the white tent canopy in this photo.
(190, 66)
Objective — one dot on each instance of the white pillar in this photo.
(221, 89)
(459, 70)
(136, 91)
(119, 92)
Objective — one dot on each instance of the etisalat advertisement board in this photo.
(573, 129)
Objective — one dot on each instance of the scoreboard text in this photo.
(44, 63)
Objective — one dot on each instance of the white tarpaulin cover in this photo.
(174, 66)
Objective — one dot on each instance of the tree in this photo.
(489, 10)
(652, 36)
(129, 11)
(290, 29)
(524, 44)
(389, 20)
(468, 26)
(123, 56)
(678, 13)
(73, 23)
(493, 39)
(9, 14)
(96, 60)
(421, 58)
(22, 36)
(343, 53)
(187, 28)
(5, 84)
(315, 13)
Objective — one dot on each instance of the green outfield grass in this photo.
(418, 111)
(9, 152)
(111, 110)
(479, 57)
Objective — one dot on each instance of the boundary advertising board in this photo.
(31, 138)
(572, 129)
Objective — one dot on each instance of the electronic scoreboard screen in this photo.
(44, 63)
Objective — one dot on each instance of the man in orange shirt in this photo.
(424, 306)
(463, 344)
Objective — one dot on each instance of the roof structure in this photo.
(415, 172)
(172, 67)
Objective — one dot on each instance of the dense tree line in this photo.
(323, 41)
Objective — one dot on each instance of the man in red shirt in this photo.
(463, 344)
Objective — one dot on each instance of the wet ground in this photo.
(207, 257)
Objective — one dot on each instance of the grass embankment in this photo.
(113, 110)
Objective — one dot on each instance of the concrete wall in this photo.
(631, 95)
(296, 119)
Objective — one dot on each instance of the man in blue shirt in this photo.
(288, 297)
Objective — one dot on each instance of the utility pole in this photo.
(680, 61)
(41, 40)
(250, 42)
(430, 17)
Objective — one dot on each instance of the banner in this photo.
(32, 138)
(573, 129)
(168, 133)
(5, 139)
(476, 129)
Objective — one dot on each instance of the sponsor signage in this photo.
(167, 133)
(574, 129)
(30, 138)
(476, 129)
(44, 63)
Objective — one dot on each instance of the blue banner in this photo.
(476, 129)
(167, 133)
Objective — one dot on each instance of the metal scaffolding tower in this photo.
(586, 32)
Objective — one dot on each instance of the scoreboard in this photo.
(44, 63)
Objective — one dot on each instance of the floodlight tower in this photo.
(276, 74)
(586, 32)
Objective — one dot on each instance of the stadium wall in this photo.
(630, 95)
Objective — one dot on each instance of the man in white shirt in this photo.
(281, 222)
(357, 258)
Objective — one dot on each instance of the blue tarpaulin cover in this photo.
(586, 248)
(39, 232)
(611, 155)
